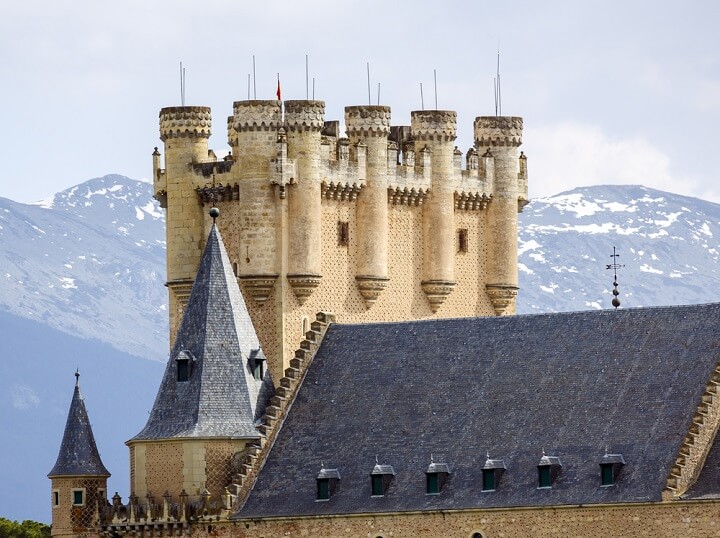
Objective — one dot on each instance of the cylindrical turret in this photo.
(502, 135)
(256, 124)
(370, 125)
(185, 131)
(254, 132)
(436, 131)
(304, 121)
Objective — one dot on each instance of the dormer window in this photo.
(610, 467)
(257, 364)
(548, 471)
(183, 362)
(492, 471)
(436, 476)
(380, 479)
(327, 482)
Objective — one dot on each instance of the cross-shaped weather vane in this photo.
(615, 266)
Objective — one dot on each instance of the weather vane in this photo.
(615, 266)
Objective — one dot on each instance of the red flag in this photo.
(278, 90)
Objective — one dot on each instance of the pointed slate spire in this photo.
(208, 389)
(78, 455)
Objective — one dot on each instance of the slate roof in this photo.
(78, 454)
(221, 398)
(576, 385)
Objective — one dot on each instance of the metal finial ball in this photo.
(616, 302)
(615, 292)
(214, 212)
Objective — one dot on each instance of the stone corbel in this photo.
(303, 285)
(437, 291)
(258, 286)
(370, 288)
(502, 296)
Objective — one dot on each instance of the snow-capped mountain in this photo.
(89, 261)
(669, 246)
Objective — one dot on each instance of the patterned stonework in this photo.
(437, 291)
(367, 120)
(370, 288)
(185, 121)
(304, 115)
(439, 125)
(498, 131)
(303, 285)
(257, 115)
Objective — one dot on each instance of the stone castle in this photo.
(344, 361)
(387, 224)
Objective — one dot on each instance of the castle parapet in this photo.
(304, 115)
(257, 115)
(185, 122)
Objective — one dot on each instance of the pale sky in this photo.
(623, 92)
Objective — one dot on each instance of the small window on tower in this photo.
(462, 236)
(343, 233)
(256, 361)
(78, 496)
(183, 362)
(56, 498)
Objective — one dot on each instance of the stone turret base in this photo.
(258, 286)
(371, 287)
(502, 296)
(437, 291)
(303, 285)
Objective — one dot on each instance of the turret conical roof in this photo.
(78, 455)
(215, 393)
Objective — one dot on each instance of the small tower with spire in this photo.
(214, 391)
(79, 478)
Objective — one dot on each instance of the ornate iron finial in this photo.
(376, 459)
(77, 377)
(214, 211)
(615, 266)
(432, 460)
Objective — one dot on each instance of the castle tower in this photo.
(435, 131)
(185, 131)
(385, 225)
(370, 126)
(498, 137)
(214, 388)
(79, 478)
(304, 121)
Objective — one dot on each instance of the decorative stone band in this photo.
(403, 196)
(340, 191)
(502, 296)
(306, 115)
(303, 285)
(367, 121)
(371, 287)
(257, 115)
(181, 289)
(498, 131)
(437, 291)
(438, 125)
(258, 286)
(185, 122)
(471, 200)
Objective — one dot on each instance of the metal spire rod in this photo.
(368, 82)
(254, 80)
(422, 99)
(435, 80)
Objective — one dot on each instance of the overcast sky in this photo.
(611, 92)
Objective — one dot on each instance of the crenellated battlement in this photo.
(185, 122)
(367, 121)
(304, 115)
(494, 131)
(434, 125)
(256, 116)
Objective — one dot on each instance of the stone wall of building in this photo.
(672, 519)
